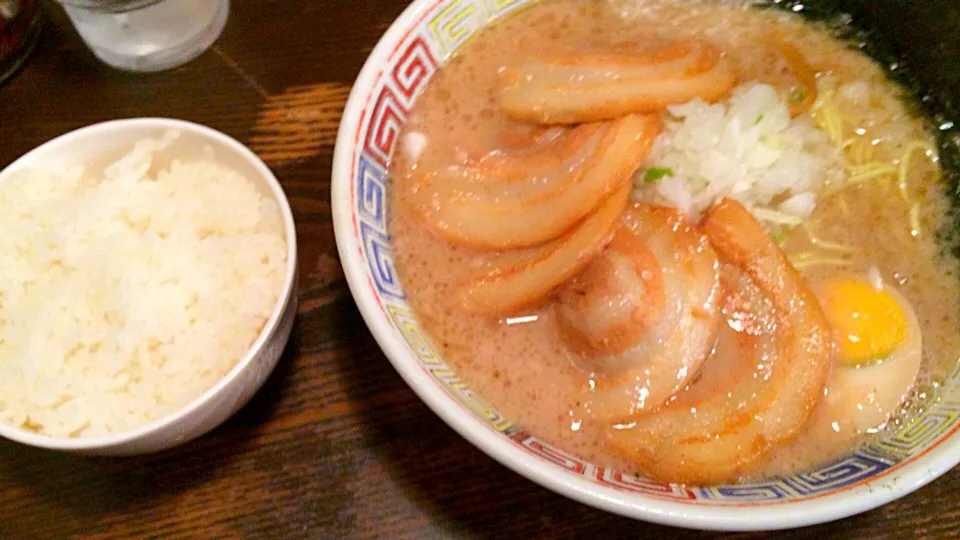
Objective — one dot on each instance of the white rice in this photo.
(126, 293)
(747, 149)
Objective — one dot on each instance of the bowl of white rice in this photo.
(147, 286)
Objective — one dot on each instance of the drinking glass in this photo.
(147, 35)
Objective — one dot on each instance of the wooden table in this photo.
(336, 444)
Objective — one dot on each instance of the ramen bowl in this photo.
(399, 68)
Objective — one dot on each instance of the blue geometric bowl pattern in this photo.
(442, 30)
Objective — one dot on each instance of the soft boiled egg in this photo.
(878, 353)
(869, 322)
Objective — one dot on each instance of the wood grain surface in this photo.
(335, 445)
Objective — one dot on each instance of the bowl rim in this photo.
(270, 327)
(913, 473)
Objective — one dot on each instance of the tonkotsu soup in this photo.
(690, 239)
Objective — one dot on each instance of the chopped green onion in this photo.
(656, 173)
(780, 237)
(797, 95)
(759, 118)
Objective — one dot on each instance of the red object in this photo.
(19, 29)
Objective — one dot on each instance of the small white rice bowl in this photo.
(146, 285)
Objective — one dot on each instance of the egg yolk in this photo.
(868, 324)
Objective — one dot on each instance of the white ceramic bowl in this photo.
(248, 375)
(408, 55)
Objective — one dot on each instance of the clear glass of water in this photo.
(147, 35)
